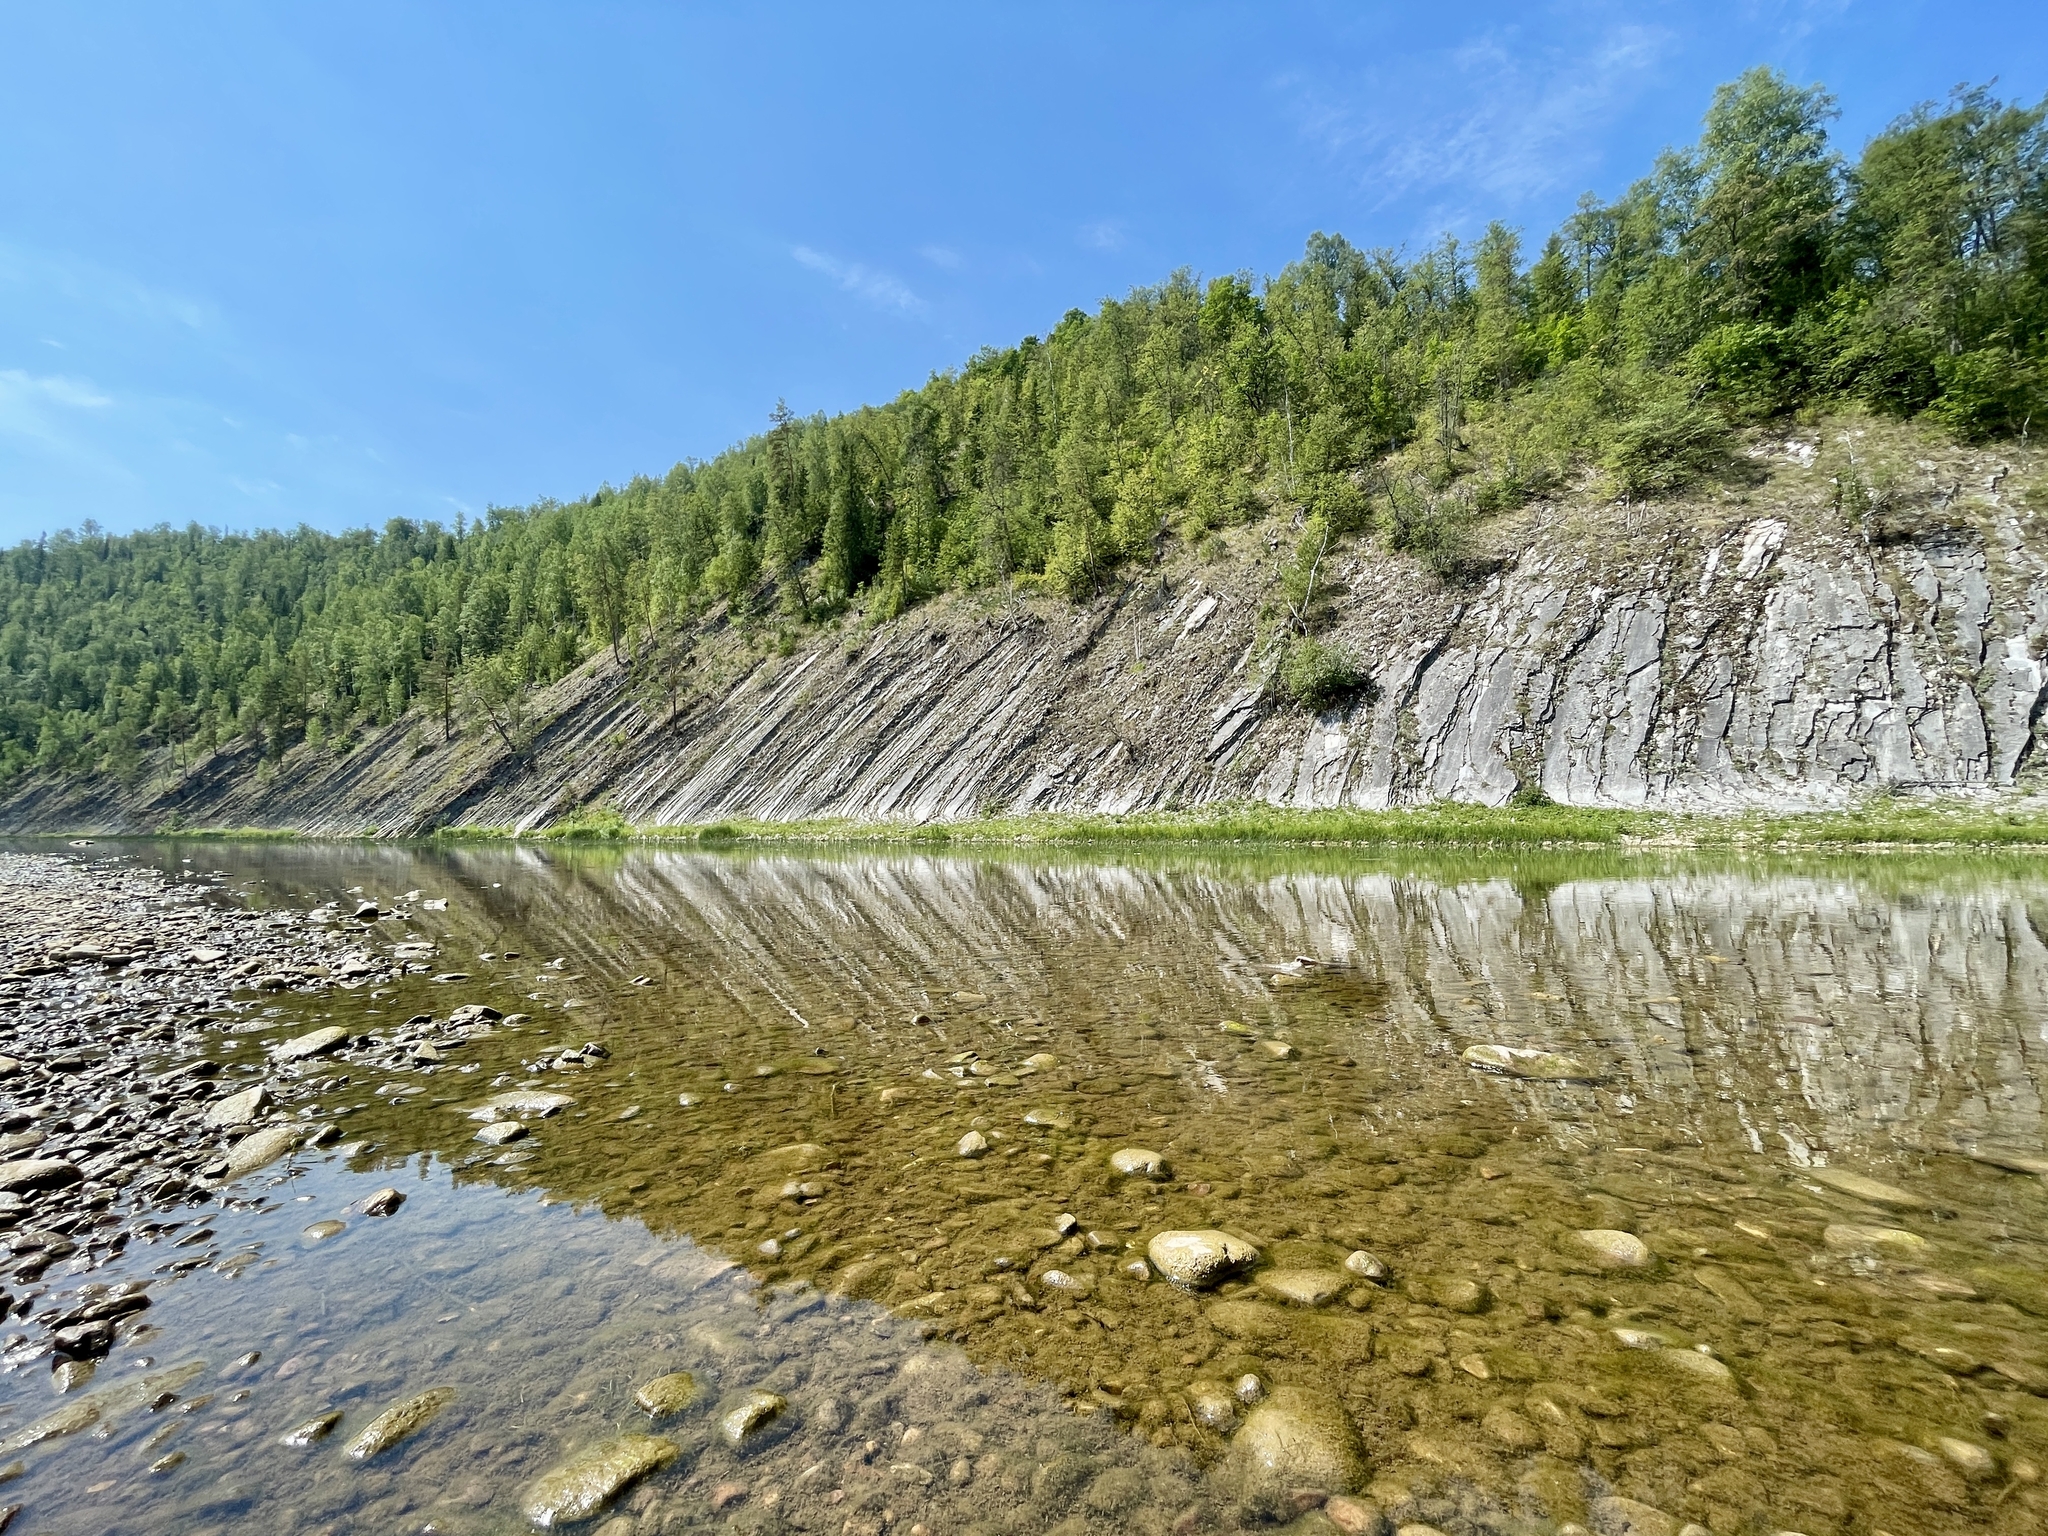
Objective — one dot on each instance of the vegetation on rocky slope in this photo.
(1357, 394)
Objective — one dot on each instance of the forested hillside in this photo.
(1359, 393)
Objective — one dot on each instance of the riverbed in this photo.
(1618, 1192)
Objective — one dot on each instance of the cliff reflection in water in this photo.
(972, 1090)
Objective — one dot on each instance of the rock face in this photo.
(1297, 1438)
(584, 1484)
(1200, 1259)
(1671, 656)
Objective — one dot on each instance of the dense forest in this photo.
(1358, 394)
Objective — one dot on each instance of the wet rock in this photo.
(1368, 1266)
(584, 1484)
(1248, 1389)
(1613, 1250)
(498, 1132)
(381, 1202)
(1051, 1119)
(1302, 1287)
(397, 1422)
(1538, 1066)
(312, 1431)
(320, 1231)
(473, 1013)
(973, 1144)
(1625, 1517)
(725, 1495)
(668, 1394)
(259, 1149)
(1279, 1050)
(745, 1417)
(70, 1375)
(1869, 1190)
(1297, 1438)
(1138, 1163)
(37, 1173)
(1200, 1259)
(244, 1108)
(522, 1101)
(315, 1043)
(1213, 1405)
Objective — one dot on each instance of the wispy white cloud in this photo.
(940, 256)
(1104, 235)
(878, 288)
(107, 290)
(1508, 120)
(54, 387)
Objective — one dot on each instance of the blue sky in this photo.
(268, 264)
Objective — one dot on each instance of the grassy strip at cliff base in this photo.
(1881, 823)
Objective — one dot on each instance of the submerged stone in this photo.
(259, 1149)
(1626, 1517)
(498, 1132)
(1368, 1265)
(1847, 1237)
(1538, 1066)
(314, 1043)
(1614, 1250)
(973, 1144)
(1200, 1259)
(1213, 1405)
(315, 1429)
(399, 1421)
(1302, 1287)
(668, 1394)
(320, 1231)
(1138, 1162)
(1297, 1439)
(749, 1414)
(584, 1484)
(1253, 1321)
(521, 1101)
(1872, 1191)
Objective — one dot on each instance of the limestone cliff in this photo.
(1758, 646)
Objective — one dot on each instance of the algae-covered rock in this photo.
(397, 1422)
(1538, 1066)
(1613, 1250)
(746, 1416)
(1296, 1439)
(668, 1394)
(1138, 1163)
(1869, 1190)
(591, 1479)
(1200, 1259)
(1302, 1287)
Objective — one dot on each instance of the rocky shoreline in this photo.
(118, 985)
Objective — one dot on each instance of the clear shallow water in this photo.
(1753, 1033)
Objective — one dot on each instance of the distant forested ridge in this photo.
(1372, 393)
